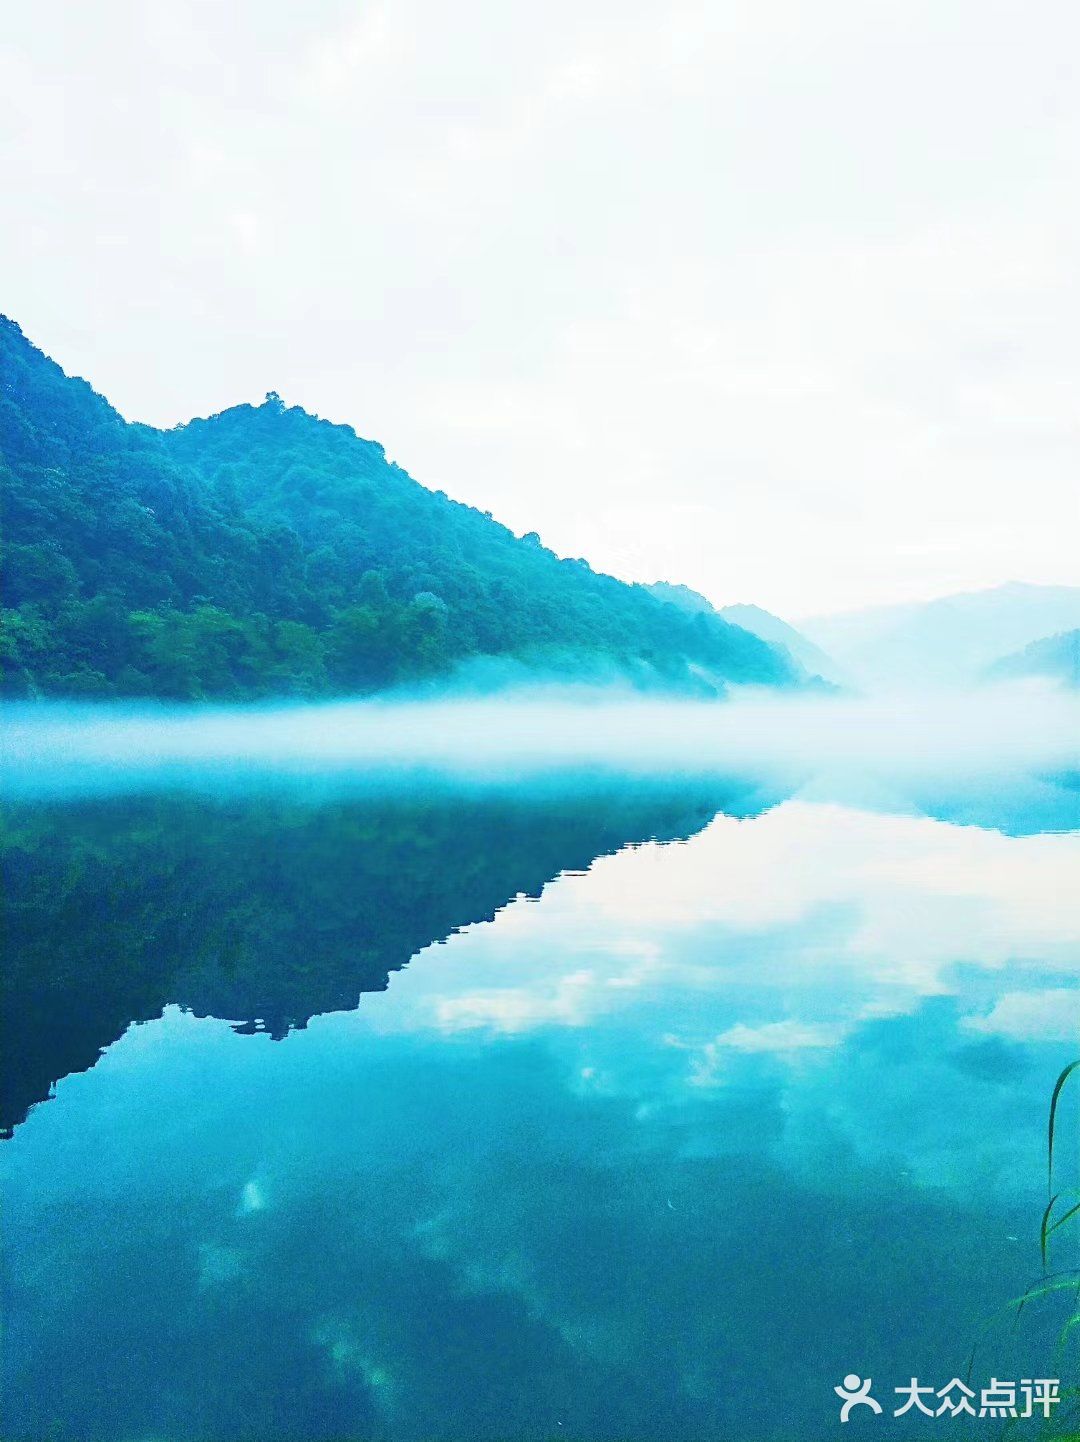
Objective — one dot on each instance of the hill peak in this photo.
(265, 551)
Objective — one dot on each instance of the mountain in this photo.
(675, 594)
(1055, 657)
(758, 622)
(266, 552)
(776, 632)
(951, 639)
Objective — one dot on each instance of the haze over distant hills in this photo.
(1055, 657)
(266, 552)
(758, 622)
(780, 633)
(952, 639)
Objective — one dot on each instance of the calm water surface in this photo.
(606, 1112)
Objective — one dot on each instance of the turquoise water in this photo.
(599, 1112)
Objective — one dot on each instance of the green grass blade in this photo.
(1062, 1079)
(1043, 1291)
(1064, 1218)
(1044, 1227)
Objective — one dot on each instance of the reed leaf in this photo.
(1062, 1079)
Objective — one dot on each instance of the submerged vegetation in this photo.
(265, 552)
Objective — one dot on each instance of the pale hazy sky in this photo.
(777, 298)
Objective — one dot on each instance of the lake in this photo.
(599, 1105)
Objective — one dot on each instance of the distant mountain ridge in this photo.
(266, 552)
(676, 594)
(1054, 657)
(777, 632)
(759, 622)
(948, 640)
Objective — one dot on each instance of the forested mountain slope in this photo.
(265, 552)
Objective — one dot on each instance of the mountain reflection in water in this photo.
(271, 907)
(665, 1155)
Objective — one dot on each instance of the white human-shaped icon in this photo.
(856, 1392)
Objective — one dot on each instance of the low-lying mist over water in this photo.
(55, 748)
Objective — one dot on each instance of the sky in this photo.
(775, 299)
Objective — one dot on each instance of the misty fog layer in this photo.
(53, 749)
